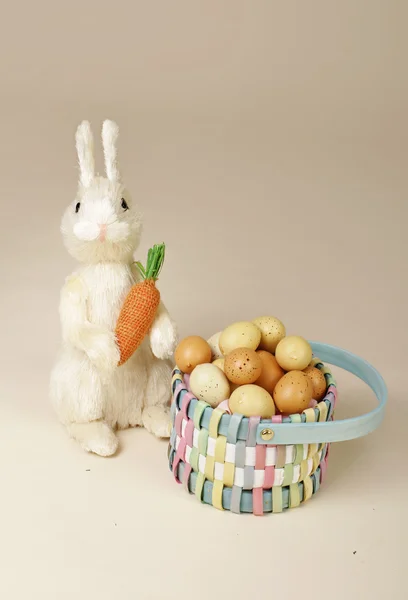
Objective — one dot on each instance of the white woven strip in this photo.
(201, 463)
(211, 446)
(230, 453)
(270, 459)
(239, 477)
(195, 438)
(218, 471)
(250, 456)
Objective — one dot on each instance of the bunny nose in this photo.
(102, 232)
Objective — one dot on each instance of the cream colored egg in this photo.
(213, 342)
(209, 383)
(252, 401)
(272, 331)
(219, 362)
(293, 353)
(242, 334)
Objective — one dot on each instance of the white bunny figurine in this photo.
(91, 394)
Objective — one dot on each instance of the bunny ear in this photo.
(110, 132)
(84, 146)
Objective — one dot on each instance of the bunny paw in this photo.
(157, 421)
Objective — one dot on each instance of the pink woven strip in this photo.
(178, 423)
(323, 469)
(260, 455)
(277, 419)
(185, 403)
(257, 499)
(180, 455)
(178, 389)
(189, 433)
(269, 477)
(333, 390)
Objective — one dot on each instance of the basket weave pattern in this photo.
(216, 457)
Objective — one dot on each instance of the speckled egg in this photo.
(192, 351)
(242, 366)
(293, 392)
(209, 383)
(213, 342)
(293, 353)
(272, 331)
(242, 334)
(271, 371)
(252, 401)
(318, 382)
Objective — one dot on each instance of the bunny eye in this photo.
(78, 206)
(124, 204)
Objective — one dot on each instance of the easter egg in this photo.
(209, 383)
(192, 351)
(293, 392)
(271, 371)
(293, 353)
(318, 382)
(219, 362)
(213, 342)
(272, 331)
(242, 366)
(243, 334)
(252, 401)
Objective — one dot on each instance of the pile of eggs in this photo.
(252, 368)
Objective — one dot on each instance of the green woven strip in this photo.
(296, 418)
(198, 413)
(287, 475)
(199, 486)
(194, 459)
(294, 495)
(277, 503)
(298, 454)
(203, 442)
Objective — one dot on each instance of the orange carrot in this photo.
(139, 309)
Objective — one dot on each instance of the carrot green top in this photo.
(155, 259)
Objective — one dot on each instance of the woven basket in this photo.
(253, 465)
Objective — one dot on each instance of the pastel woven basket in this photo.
(253, 465)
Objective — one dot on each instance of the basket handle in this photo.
(332, 431)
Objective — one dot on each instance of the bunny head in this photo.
(102, 224)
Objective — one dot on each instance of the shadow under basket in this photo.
(253, 465)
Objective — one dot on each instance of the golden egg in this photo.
(242, 366)
(272, 331)
(219, 362)
(192, 351)
(271, 371)
(293, 353)
(243, 334)
(293, 392)
(318, 382)
(252, 401)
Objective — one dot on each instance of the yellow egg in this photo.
(293, 392)
(272, 331)
(190, 352)
(219, 362)
(242, 366)
(252, 401)
(243, 334)
(293, 353)
(213, 342)
(318, 382)
(209, 383)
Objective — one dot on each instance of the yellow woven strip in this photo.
(315, 361)
(214, 421)
(325, 371)
(310, 415)
(217, 494)
(298, 454)
(277, 504)
(209, 468)
(296, 418)
(322, 406)
(312, 450)
(199, 486)
(176, 377)
(294, 496)
(304, 469)
(307, 488)
(229, 473)
(220, 447)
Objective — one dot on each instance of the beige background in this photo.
(267, 143)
